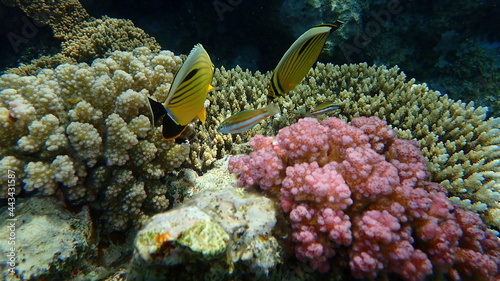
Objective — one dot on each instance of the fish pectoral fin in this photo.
(212, 88)
(171, 130)
(202, 115)
(157, 110)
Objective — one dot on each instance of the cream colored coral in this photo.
(177, 154)
(40, 131)
(120, 139)
(130, 102)
(140, 125)
(144, 152)
(64, 170)
(84, 112)
(97, 116)
(86, 141)
(11, 163)
(16, 112)
(39, 175)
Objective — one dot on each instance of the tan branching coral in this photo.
(61, 16)
(100, 37)
(84, 38)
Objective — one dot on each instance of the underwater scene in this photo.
(249, 140)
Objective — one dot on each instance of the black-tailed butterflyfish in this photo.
(299, 58)
(187, 94)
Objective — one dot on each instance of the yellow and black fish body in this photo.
(170, 129)
(299, 58)
(187, 94)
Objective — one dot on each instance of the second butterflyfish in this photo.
(187, 94)
(246, 119)
(299, 58)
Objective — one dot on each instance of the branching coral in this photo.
(459, 141)
(357, 192)
(83, 129)
(50, 112)
(84, 37)
(61, 16)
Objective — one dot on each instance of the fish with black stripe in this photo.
(187, 94)
(246, 119)
(299, 58)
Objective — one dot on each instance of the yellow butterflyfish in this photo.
(187, 94)
(299, 58)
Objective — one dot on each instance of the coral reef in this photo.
(100, 37)
(61, 16)
(459, 141)
(84, 38)
(210, 235)
(62, 239)
(82, 130)
(357, 192)
(454, 50)
(44, 117)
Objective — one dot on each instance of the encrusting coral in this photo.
(358, 192)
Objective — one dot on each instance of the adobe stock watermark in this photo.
(28, 31)
(381, 19)
(222, 6)
(11, 257)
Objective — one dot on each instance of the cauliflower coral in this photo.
(356, 192)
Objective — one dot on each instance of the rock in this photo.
(218, 234)
(49, 239)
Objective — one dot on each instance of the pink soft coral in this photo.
(357, 191)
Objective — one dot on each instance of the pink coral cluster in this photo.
(357, 193)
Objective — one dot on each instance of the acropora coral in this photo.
(459, 140)
(357, 192)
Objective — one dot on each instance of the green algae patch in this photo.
(205, 237)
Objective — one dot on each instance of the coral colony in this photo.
(411, 191)
(358, 192)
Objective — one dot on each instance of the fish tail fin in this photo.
(157, 110)
(171, 130)
(336, 25)
(272, 109)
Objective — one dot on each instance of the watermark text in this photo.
(11, 221)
